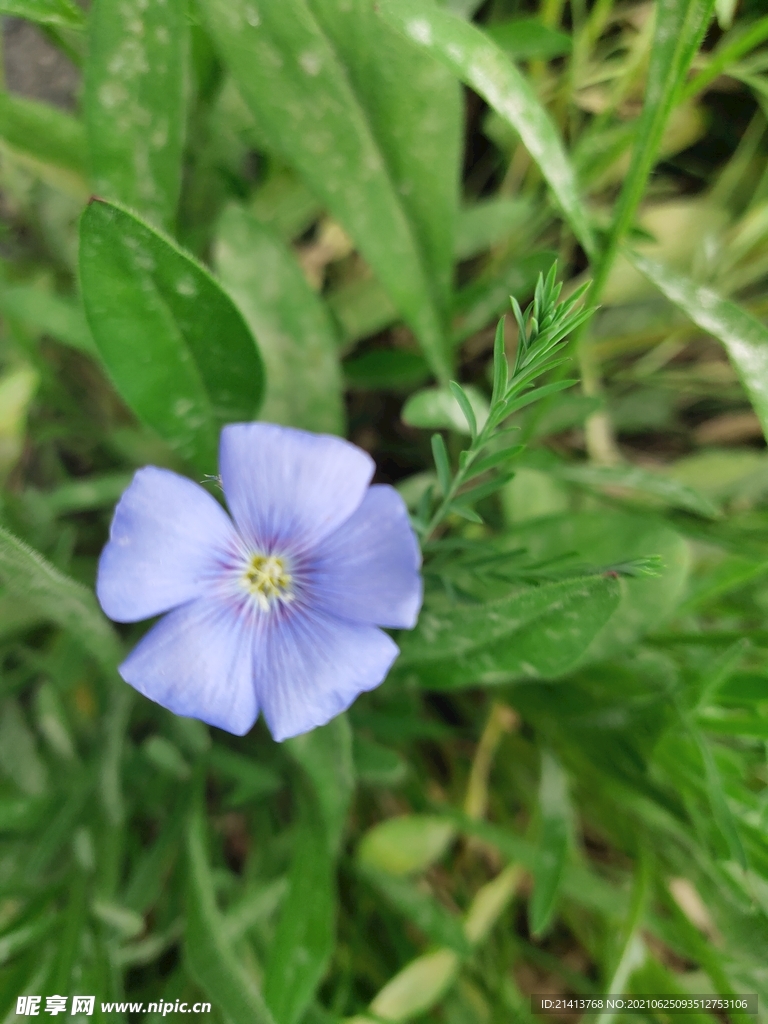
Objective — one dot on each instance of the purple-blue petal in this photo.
(198, 662)
(168, 541)
(368, 569)
(310, 667)
(286, 488)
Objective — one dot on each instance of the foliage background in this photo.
(562, 786)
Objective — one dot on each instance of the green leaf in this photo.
(59, 13)
(304, 938)
(494, 460)
(175, 345)
(672, 492)
(438, 408)
(42, 131)
(608, 538)
(406, 844)
(44, 312)
(718, 801)
(375, 765)
(25, 574)
(538, 632)
(386, 369)
(442, 463)
(555, 828)
(416, 988)
(135, 103)
(680, 25)
(523, 38)
(481, 225)
(361, 308)
(305, 935)
(81, 495)
(422, 909)
(296, 335)
(415, 110)
(745, 338)
(466, 407)
(487, 297)
(19, 756)
(211, 960)
(285, 60)
(325, 754)
(484, 67)
(252, 779)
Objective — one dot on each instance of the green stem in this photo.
(458, 481)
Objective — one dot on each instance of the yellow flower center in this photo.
(267, 579)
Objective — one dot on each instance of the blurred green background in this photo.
(573, 804)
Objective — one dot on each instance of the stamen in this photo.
(267, 579)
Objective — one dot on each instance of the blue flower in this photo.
(278, 611)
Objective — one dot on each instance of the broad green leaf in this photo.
(745, 338)
(44, 312)
(635, 478)
(307, 107)
(209, 956)
(325, 754)
(555, 826)
(483, 66)
(422, 909)
(406, 844)
(438, 408)
(608, 538)
(415, 111)
(538, 632)
(59, 13)
(25, 574)
(135, 103)
(175, 345)
(297, 338)
(304, 938)
(50, 141)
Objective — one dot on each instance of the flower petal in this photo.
(310, 666)
(286, 488)
(368, 569)
(168, 538)
(198, 662)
